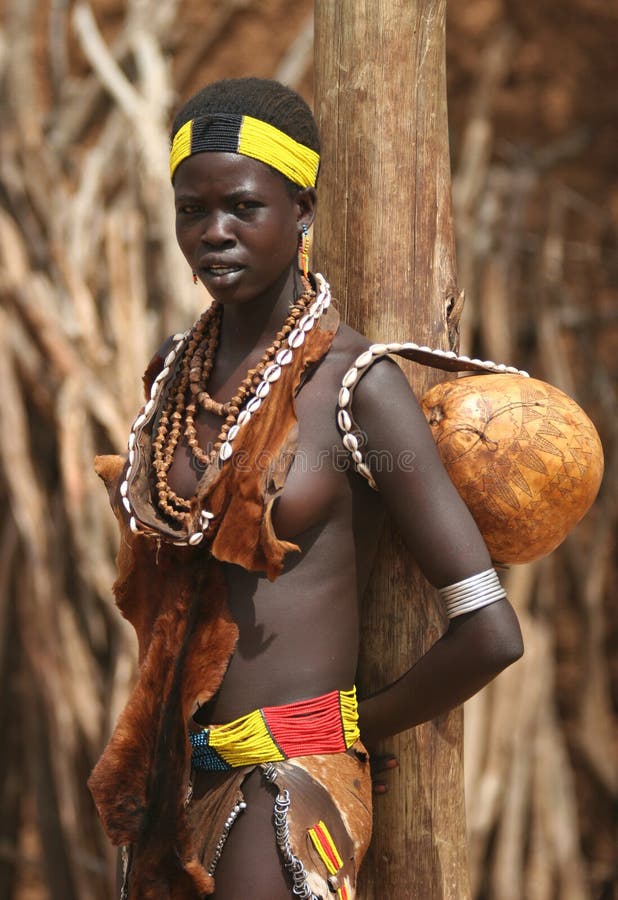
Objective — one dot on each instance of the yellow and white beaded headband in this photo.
(228, 133)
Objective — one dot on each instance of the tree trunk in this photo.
(385, 241)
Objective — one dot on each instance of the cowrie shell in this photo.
(196, 538)
(350, 377)
(206, 514)
(126, 505)
(364, 359)
(306, 323)
(344, 396)
(131, 441)
(365, 471)
(350, 442)
(139, 421)
(284, 357)
(262, 389)
(344, 421)
(233, 432)
(243, 417)
(133, 525)
(253, 404)
(225, 451)
(169, 359)
(131, 459)
(156, 384)
(395, 347)
(409, 345)
(296, 338)
(272, 373)
(149, 407)
(377, 349)
(357, 456)
(124, 487)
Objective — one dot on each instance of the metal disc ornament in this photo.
(524, 456)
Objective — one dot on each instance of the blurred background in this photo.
(91, 282)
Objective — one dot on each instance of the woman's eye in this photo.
(245, 205)
(189, 209)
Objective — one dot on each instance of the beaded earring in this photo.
(195, 278)
(303, 251)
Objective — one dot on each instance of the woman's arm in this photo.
(443, 538)
(474, 649)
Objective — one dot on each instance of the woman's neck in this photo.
(251, 326)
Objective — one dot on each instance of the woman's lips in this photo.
(218, 261)
(217, 270)
(216, 267)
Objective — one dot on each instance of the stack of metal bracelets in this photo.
(472, 593)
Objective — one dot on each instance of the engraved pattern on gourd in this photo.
(525, 458)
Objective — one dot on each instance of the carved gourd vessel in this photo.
(524, 456)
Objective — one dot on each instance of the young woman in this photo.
(246, 545)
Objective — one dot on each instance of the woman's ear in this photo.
(306, 202)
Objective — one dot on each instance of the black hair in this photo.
(261, 98)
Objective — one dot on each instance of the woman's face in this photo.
(237, 224)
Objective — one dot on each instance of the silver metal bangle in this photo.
(472, 593)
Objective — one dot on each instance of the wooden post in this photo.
(385, 241)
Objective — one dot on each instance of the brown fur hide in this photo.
(175, 598)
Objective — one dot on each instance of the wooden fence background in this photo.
(91, 281)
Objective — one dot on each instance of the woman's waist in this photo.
(248, 686)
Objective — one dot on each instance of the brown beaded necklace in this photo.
(188, 389)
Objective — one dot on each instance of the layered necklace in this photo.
(181, 390)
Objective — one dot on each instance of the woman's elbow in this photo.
(506, 644)
(511, 649)
(495, 637)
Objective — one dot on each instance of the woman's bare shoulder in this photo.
(346, 346)
(382, 375)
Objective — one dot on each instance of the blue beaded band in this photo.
(204, 756)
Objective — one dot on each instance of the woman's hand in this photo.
(381, 762)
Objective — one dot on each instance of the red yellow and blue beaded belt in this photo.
(326, 724)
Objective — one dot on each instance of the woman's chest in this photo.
(316, 479)
(316, 484)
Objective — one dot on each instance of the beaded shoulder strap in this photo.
(439, 359)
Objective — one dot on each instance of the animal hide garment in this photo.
(175, 598)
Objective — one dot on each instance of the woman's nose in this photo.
(216, 230)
